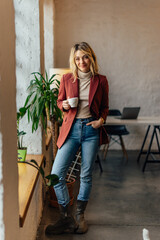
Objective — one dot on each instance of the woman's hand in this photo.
(96, 124)
(66, 105)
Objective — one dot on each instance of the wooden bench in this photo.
(28, 177)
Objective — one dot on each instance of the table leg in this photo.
(157, 127)
(140, 153)
(149, 149)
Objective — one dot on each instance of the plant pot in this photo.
(22, 154)
(53, 198)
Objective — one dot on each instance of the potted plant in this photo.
(41, 103)
(22, 151)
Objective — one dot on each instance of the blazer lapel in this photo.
(93, 87)
(75, 88)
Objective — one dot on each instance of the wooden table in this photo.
(149, 121)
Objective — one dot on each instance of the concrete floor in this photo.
(123, 202)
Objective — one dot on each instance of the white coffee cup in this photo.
(73, 102)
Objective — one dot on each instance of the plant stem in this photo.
(53, 121)
(47, 111)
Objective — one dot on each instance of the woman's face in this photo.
(82, 61)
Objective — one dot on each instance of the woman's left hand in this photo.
(96, 124)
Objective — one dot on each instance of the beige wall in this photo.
(126, 38)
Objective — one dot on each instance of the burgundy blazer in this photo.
(98, 103)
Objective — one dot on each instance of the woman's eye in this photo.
(77, 59)
(86, 57)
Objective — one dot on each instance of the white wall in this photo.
(27, 61)
(49, 34)
(126, 39)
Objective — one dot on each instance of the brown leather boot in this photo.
(81, 206)
(66, 223)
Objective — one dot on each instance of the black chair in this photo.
(115, 133)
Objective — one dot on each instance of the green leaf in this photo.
(34, 161)
(41, 106)
(38, 74)
(46, 76)
(22, 111)
(51, 82)
(29, 116)
(20, 133)
(53, 77)
(28, 98)
(53, 178)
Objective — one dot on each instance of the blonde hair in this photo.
(86, 49)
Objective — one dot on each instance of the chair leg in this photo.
(105, 150)
(123, 148)
(102, 148)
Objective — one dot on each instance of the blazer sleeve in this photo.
(62, 94)
(104, 108)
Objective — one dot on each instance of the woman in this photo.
(82, 126)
